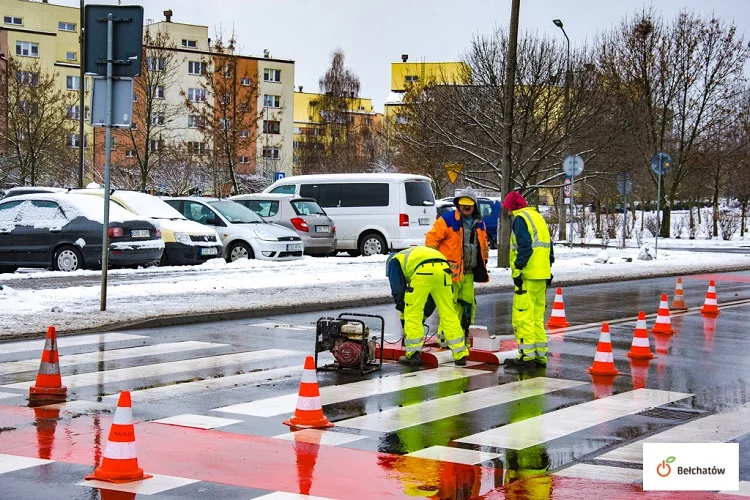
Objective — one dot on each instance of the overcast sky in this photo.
(375, 34)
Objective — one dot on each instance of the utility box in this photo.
(482, 340)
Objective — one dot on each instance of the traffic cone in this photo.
(663, 321)
(640, 349)
(309, 412)
(604, 363)
(48, 384)
(678, 303)
(119, 461)
(639, 372)
(709, 330)
(557, 317)
(710, 306)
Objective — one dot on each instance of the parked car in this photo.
(444, 206)
(21, 190)
(244, 233)
(185, 241)
(302, 215)
(373, 213)
(489, 208)
(63, 231)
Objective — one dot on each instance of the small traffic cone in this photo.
(119, 461)
(48, 384)
(710, 306)
(309, 412)
(678, 303)
(604, 363)
(639, 372)
(557, 317)
(640, 349)
(663, 321)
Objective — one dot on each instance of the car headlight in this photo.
(183, 238)
(265, 235)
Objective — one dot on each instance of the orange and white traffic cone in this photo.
(557, 317)
(309, 412)
(710, 306)
(663, 321)
(640, 349)
(48, 384)
(604, 363)
(120, 461)
(678, 303)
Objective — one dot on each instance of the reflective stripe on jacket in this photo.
(539, 265)
(447, 236)
(411, 258)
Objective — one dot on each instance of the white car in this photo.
(243, 233)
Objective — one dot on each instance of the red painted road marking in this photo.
(719, 277)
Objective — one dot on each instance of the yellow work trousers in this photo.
(528, 320)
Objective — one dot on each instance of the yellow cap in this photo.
(465, 200)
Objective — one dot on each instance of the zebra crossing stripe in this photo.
(10, 463)
(156, 484)
(716, 428)
(169, 368)
(357, 390)
(559, 423)
(283, 326)
(599, 472)
(113, 355)
(36, 346)
(283, 495)
(744, 490)
(455, 455)
(428, 411)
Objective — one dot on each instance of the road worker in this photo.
(415, 274)
(531, 258)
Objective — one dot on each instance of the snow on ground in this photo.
(216, 286)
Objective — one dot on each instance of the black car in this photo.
(64, 232)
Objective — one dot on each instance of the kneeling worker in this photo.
(415, 274)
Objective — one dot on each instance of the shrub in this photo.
(729, 224)
(553, 222)
(651, 222)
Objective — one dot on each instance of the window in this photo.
(27, 49)
(159, 92)
(63, 26)
(155, 63)
(271, 75)
(28, 108)
(114, 142)
(245, 81)
(195, 121)
(135, 96)
(196, 95)
(272, 101)
(225, 97)
(73, 112)
(227, 71)
(73, 82)
(157, 118)
(27, 78)
(18, 21)
(272, 153)
(130, 153)
(71, 56)
(155, 145)
(244, 134)
(134, 126)
(196, 68)
(196, 148)
(419, 193)
(74, 141)
(189, 43)
(244, 159)
(225, 123)
(271, 127)
(411, 78)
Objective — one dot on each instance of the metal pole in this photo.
(658, 209)
(625, 217)
(82, 99)
(107, 155)
(572, 205)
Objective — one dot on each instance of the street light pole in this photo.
(559, 24)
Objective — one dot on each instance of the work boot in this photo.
(414, 360)
(540, 361)
(518, 362)
(461, 362)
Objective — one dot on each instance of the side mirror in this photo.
(214, 221)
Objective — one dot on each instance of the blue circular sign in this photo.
(661, 163)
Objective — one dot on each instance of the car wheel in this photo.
(164, 259)
(67, 258)
(492, 243)
(353, 253)
(372, 244)
(240, 251)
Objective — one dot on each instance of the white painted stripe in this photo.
(716, 428)
(270, 324)
(744, 490)
(197, 421)
(503, 355)
(428, 411)
(117, 354)
(36, 346)
(120, 451)
(5, 395)
(455, 455)
(308, 403)
(559, 423)
(80, 407)
(602, 473)
(309, 376)
(170, 368)
(283, 495)
(123, 415)
(9, 463)
(172, 391)
(150, 486)
(603, 357)
(319, 436)
(365, 388)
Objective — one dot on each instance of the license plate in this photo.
(424, 221)
(209, 251)
(139, 233)
(322, 229)
(294, 247)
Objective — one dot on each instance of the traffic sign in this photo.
(567, 188)
(127, 38)
(625, 183)
(279, 176)
(453, 169)
(573, 165)
(661, 163)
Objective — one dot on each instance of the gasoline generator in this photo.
(347, 337)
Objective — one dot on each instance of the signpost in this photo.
(572, 166)
(661, 163)
(625, 187)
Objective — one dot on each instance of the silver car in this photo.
(244, 234)
(302, 215)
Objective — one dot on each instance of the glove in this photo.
(518, 281)
(549, 281)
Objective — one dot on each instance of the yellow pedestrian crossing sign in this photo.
(453, 169)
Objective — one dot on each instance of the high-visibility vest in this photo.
(538, 267)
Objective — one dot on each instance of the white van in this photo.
(373, 213)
